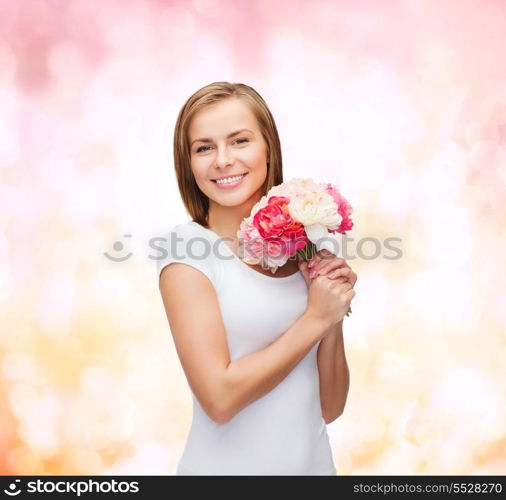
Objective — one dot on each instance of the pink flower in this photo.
(272, 219)
(296, 238)
(275, 253)
(343, 209)
(250, 242)
(282, 235)
(288, 221)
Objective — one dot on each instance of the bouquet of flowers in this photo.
(295, 217)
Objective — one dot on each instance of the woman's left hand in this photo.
(325, 263)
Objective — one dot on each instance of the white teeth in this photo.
(228, 180)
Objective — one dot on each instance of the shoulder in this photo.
(186, 243)
(191, 241)
(185, 229)
(180, 236)
(191, 228)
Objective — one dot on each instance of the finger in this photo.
(342, 271)
(313, 261)
(329, 257)
(326, 267)
(322, 268)
(337, 284)
(353, 278)
(345, 287)
(330, 271)
(320, 257)
(323, 253)
(339, 280)
(304, 271)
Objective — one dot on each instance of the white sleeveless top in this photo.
(283, 432)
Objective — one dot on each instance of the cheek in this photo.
(256, 157)
(198, 169)
(200, 176)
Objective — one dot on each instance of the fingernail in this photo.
(311, 263)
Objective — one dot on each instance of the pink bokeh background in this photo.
(402, 104)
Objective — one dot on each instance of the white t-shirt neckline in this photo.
(291, 277)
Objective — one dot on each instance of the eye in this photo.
(202, 149)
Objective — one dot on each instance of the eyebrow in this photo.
(205, 139)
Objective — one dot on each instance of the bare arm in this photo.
(334, 374)
(223, 388)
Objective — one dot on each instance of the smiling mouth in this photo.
(231, 182)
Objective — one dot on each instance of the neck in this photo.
(225, 221)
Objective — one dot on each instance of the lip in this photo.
(230, 185)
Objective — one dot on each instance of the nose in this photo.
(223, 158)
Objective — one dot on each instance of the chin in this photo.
(231, 201)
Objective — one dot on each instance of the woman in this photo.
(263, 353)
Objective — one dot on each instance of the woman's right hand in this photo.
(328, 299)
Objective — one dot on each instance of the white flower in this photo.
(315, 207)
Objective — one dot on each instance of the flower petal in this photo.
(315, 232)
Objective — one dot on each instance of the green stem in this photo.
(307, 252)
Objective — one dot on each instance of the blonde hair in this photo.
(195, 201)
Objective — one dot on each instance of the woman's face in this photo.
(226, 141)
